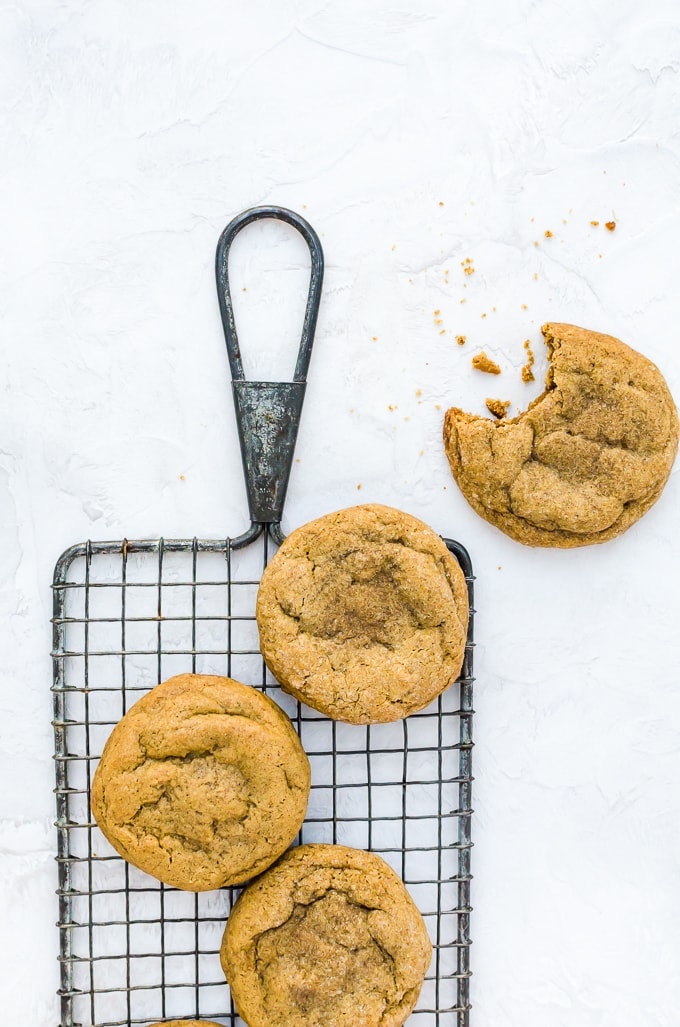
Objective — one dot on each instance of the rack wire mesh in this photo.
(132, 950)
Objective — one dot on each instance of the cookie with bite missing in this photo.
(587, 458)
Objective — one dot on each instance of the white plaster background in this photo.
(412, 136)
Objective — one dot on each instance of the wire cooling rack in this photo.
(132, 950)
(128, 615)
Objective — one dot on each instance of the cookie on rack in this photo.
(203, 783)
(588, 457)
(186, 1023)
(328, 935)
(363, 614)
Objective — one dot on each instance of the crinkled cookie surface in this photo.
(587, 458)
(363, 614)
(203, 783)
(329, 935)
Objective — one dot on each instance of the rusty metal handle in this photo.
(268, 413)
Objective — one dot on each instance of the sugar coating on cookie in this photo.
(203, 783)
(363, 614)
(588, 457)
(329, 935)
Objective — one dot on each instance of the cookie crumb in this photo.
(610, 225)
(527, 373)
(498, 407)
(535, 276)
(548, 234)
(437, 313)
(441, 203)
(594, 223)
(419, 392)
(182, 477)
(461, 339)
(481, 362)
(443, 331)
(374, 338)
(359, 485)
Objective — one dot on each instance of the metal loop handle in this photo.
(268, 413)
(224, 292)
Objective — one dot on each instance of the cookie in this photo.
(363, 615)
(203, 783)
(329, 935)
(186, 1023)
(585, 460)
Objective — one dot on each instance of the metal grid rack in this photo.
(132, 950)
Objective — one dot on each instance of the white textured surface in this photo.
(412, 137)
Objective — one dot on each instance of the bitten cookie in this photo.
(588, 457)
(203, 783)
(363, 615)
(329, 935)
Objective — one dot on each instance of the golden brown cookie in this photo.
(203, 783)
(363, 614)
(186, 1023)
(588, 457)
(329, 935)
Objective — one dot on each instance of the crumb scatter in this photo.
(527, 373)
(498, 407)
(482, 362)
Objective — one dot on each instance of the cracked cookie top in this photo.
(363, 614)
(588, 457)
(329, 935)
(203, 783)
